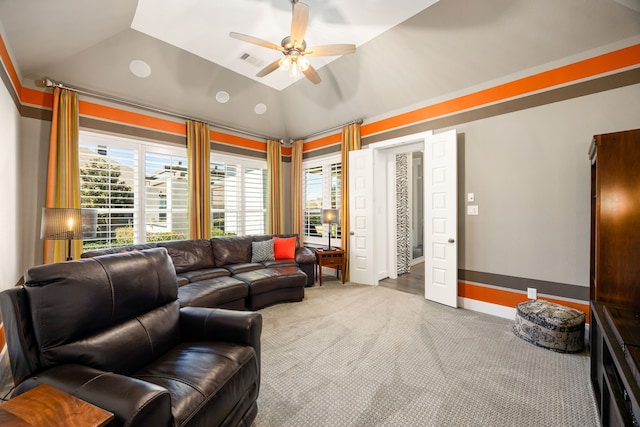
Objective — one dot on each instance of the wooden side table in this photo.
(46, 406)
(332, 258)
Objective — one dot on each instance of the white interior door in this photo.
(441, 221)
(361, 239)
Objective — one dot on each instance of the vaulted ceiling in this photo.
(409, 53)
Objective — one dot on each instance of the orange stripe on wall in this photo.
(122, 116)
(605, 63)
(238, 141)
(507, 298)
(323, 142)
(8, 64)
(36, 97)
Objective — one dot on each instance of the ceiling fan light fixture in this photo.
(303, 64)
(294, 47)
(285, 63)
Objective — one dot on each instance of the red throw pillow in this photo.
(284, 248)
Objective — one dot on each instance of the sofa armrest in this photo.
(217, 324)
(305, 255)
(132, 401)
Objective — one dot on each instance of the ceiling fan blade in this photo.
(312, 75)
(299, 23)
(255, 40)
(269, 69)
(331, 50)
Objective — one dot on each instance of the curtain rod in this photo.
(358, 121)
(45, 82)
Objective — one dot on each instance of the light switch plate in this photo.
(472, 210)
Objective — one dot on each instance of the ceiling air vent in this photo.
(253, 60)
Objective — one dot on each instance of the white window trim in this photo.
(243, 162)
(317, 161)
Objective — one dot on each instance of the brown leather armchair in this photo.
(110, 331)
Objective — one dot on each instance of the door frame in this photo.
(384, 165)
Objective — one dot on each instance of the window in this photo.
(140, 191)
(321, 190)
(238, 196)
(165, 196)
(107, 177)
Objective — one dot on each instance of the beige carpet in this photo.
(369, 356)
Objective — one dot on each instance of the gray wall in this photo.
(11, 242)
(530, 173)
(34, 154)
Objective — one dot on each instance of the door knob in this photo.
(451, 240)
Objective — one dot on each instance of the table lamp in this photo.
(67, 224)
(329, 216)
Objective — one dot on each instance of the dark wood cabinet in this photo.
(614, 330)
(615, 218)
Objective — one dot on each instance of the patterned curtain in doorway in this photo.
(403, 222)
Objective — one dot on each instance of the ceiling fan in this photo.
(294, 47)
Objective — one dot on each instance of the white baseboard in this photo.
(487, 308)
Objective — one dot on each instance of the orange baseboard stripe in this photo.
(508, 298)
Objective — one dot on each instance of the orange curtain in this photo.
(350, 141)
(63, 171)
(275, 210)
(297, 209)
(199, 180)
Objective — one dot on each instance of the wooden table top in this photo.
(46, 406)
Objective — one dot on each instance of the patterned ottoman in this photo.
(550, 325)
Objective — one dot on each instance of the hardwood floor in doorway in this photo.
(412, 282)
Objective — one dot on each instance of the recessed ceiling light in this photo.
(140, 68)
(260, 108)
(222, 96)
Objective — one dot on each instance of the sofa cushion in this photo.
(270, 279)
(231, 250)
(284, 248)
(182, 280)
(205, 378)
(241, 268)
(207, 273)
(189, 255)
(280, 263)
(120, 249)
(216, 292)
(119, 292)
(262, 251)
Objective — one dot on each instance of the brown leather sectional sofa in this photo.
(109, 330)
(219, 272)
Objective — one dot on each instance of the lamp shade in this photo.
(61, 224)
(330, 216)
